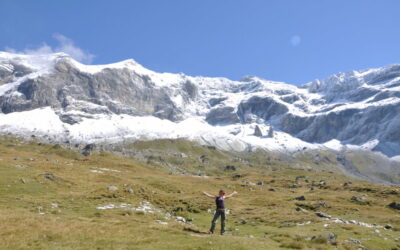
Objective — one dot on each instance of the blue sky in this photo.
(294, 41)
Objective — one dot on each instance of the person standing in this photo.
(220, 210)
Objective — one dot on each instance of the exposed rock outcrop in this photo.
(257, 131)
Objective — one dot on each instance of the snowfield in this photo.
(44, 122)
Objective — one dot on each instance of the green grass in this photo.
(259, 218)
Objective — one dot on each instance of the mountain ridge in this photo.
(357, 109)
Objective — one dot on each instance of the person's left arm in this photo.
(232, 194)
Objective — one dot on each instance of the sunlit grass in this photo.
(41, 213)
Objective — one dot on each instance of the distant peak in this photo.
(249, 78)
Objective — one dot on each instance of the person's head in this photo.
(221, 192)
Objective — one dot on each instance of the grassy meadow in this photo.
(50, 198)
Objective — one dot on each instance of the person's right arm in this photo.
(208, 195)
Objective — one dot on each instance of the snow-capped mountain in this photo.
(53, 96)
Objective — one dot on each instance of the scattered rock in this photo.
(110, 170)
(162, 222)
(330, 238)
(237, 176)
(40, 210)
(304, 223)
(308, 206)
(96, 171)
(52, 160)
(323, 215)
(108, 206)
(230, 168)
(359, 223)
(249, 183)
(87, 150)
(355, 241)
(243, 221)
(388, 226)
(112, 188)
(271, 189)
(394, 205)
(130, 191)
(300, 198)
(180, 219)
(23, 180)
(270, 132)
(250, 236)
(357, 199)
(49, 177)
(203, 159)
(293, 186)
(260, 183)
(299, 209)
(257, 131)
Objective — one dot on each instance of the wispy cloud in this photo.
(64, 44)
(295, 40)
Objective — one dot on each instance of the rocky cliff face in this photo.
(66, 88)
(358, 107)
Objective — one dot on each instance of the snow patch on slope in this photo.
(37, 62)
(160, 79)
(45, 122)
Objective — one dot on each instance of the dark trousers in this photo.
(218, 213)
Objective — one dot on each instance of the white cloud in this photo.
(295, 40)
(65, 45)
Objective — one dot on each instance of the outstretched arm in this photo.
(232, 194)
(208, 195)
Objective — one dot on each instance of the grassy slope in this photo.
(268, 216)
